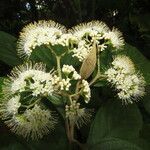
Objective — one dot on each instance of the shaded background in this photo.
(132, 17)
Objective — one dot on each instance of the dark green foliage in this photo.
(43, 54)
(8, 52)
(115, 127)
(56, 141)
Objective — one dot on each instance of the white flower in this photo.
(55, 80)
(29, 77)
(65, 84)
(10, 107)
(124, 63)
(37, 34)
(79, 116)
(132, 87)
(20, 110)
(116, 38)
(92, 28)
(18, 85)
(82, 51)
(66, 40)
(34, 123)
(83, 116)
(67, 69)
(123, 76)
(102, 47)
(76, 76)
(61, 84)
(86, 34)
(86, 90)
(13, 105)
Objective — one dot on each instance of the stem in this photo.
(58, 65)
(98, 63)
(76, 94)
(31, 105)
(68, 130)
(70, 125)
(94, 79)
(82, 146)
(57, 60)
(97, 77)
(70, 99)
(70, 135)
(77, 86)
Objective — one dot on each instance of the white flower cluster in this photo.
(98, 32)
(116, 38)
(77, 115)
(86, 91)
(66, 40)
(82, 51)
(67, 69)
(32, 79)
(26, 117)
(61, 84)
(70, 74)
(13, 105)
(65, 83)
(79, 39)
(10, 107)
(123, 76)
(42, 33)
(34, 123)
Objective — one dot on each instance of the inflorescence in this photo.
(129, 84)
(22, 107)
(79, 39)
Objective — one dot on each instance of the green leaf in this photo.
(100, 83)
(1, 83)
(10, 142)
(14, 146)
(56, 140)
(44, 54)
(69, 60)
(105, 59)
(145, 133)
(146, 101)
(114, 144)
(56, 100)
(8, 53)
(142, 63)
(114, 120)
(59, 49)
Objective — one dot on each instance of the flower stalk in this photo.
(58, 58)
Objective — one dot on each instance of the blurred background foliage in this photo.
(132, 17)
